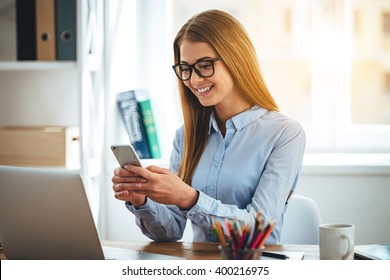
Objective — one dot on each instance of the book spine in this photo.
(45, 29)
(150, 128)
(25, 30)
(131, 115)
(65, 18)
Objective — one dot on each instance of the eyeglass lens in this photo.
(204, 69)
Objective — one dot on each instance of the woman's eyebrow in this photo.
(199, 59)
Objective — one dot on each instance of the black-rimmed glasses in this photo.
(204, 69)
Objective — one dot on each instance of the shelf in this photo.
(36, 65)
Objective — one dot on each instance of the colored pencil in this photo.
(220, 233)
(237, 235)
(267, 232)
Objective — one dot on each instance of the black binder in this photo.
(26, 30)
(66, 29)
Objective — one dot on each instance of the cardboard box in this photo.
(39, 146)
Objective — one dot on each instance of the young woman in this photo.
(235, 155)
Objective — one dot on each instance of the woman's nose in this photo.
(195, 78)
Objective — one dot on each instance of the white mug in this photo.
(337, 241)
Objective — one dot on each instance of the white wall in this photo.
(354, 195)
(361, 199)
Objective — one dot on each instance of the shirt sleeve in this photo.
(279, 177)
(157, 221)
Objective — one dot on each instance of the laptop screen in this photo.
(45, 214)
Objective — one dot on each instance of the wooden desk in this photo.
(204, 250)
(199, 250)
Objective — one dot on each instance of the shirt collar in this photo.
(239, 121)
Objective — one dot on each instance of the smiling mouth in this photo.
(204, 90)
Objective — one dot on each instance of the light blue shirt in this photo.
(253, 168)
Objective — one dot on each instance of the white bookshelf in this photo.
(36, 65)
(59, 93)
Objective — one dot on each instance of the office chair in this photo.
(301, 221)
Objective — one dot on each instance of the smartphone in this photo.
(126, 155)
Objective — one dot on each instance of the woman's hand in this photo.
(121, 179)
(160, 185)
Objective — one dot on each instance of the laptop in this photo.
(372, 252)
(45, 215)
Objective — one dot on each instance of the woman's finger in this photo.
(133, 179)
(139, 171)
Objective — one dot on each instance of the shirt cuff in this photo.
(204, 207)
(145, 207)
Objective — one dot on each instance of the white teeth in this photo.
(202, 90)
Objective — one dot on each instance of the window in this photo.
(324, 64)
(387, 84)
(370, 81)
(287, 20)
(386, 24)
(324, 61)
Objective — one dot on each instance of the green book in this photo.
(150, 128)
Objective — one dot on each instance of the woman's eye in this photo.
(184, 68)
(204, 66)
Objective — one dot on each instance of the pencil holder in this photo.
(228, 253)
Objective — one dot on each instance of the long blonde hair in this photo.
(230, 40)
